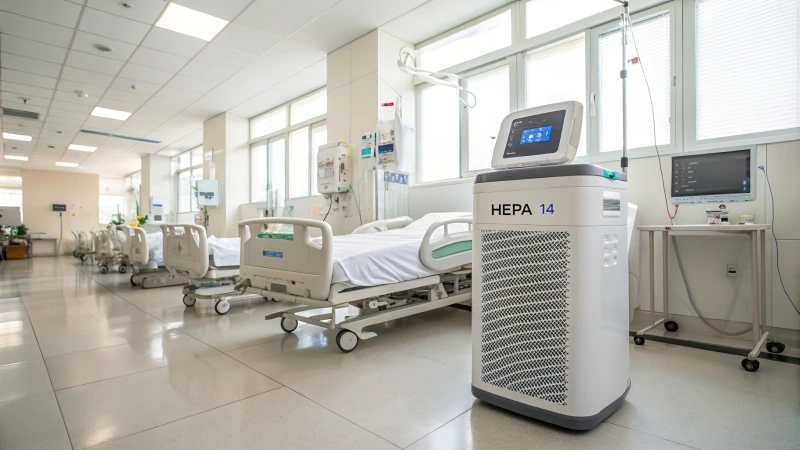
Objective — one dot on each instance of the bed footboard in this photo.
(183, 254)
(136, 245)
(287, 263)
(450, 250)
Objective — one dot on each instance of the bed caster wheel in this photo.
(222, 306)
(188, 300)
(288, 324)
(638, 340)
(133, 281)
(671, 326)
(750, 365)
(347, 341)
(123, 268)
(104, 269)
(775, 347)
(83, 258)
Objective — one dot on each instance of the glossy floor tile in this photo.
(88, 360)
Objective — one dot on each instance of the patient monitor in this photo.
(550, 275)
(333, 169)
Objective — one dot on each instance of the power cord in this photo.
(330, 205)
(775, 238)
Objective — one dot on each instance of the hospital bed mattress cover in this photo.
(225, 251)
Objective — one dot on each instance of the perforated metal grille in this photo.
(525, 298)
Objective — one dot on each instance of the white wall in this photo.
(705, 258)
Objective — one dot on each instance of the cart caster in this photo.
(222, 306)
(188, 300)
(347, 341)
(83, 258)
(671, 326)
(775, 347)
(104, 269)
(750, 365)
(288, 324)
(638, 340)
(123, 268)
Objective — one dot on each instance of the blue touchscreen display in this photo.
(533, 135)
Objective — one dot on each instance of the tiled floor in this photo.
(86, 360)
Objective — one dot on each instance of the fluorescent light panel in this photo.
(17, 137)
(16, 158)
(82, 148)
(66, 164)
(110, 113)
(191, 22)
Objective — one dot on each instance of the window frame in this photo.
(192, 167)
(285, 133)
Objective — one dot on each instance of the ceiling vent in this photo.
(21, 114)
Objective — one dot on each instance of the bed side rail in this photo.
(290, 263)
(383, 225)
(182, 254)
(135, 244)
(450, 250)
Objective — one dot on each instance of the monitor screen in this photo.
(539, 134)
(712, 174)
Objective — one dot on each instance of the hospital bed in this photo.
(108, 250)
(384, 276)
(143, 249)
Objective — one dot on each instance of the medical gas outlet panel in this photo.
(333, 169)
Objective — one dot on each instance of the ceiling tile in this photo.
(50, 133)
(57, 12)
(35, 101)
(126, 96)
(245, 39)
(85, 42)
(224, 98)
(95, 63)
(124, 84)
(295, 53)
(67, 114)
(64, 121)
(172, 42)
(80, 75)
(70, 87)
(159, 60)
(30, 79)
(26, 90)
(34, 30)
(94, 140)
(42, 110)
(274, 19)
(133, 130)
(115, 27)
(248, 82)
(221, 56)
(102, 124)
(117, 144)
(71, 97)
(149, 114)
(270, 69)
(26, 47)
(191, 84)
(69, 106)
(146, 74)
(207, 72)
(146, 11)
(177, 98)
(118, 105)
(30, 65)
(71, 156)
(226, 10)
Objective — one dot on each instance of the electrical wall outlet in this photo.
(733, 271)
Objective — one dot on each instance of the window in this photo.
(483, 121)
(299, 163)
(747, 62)
(557, 73)
(542, 16)
(652, 36)
(319, 137)
(277, 165)
(309, 107)
(438, 135)
(268, 123)
(485, 37)
(190, 170)
(109, 206)
(11, 197)
(258, 172)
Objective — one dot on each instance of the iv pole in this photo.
(623, 74)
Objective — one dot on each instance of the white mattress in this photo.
(225, 251)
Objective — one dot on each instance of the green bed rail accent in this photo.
(283, 236)
(452, 249)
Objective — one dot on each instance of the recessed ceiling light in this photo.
(191, 22)
(126, 5)
(104, 48)
(16, 158)
(66, 164)
(110, 113)
(82, 148)
(17, 137)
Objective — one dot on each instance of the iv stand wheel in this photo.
(188, 300)
(347, 341)
(671, 326)
(638, 340)
(750, 365)
(288, 324)
(775, 347)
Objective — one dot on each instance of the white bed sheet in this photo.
(225, 251)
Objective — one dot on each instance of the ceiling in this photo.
(270, 52)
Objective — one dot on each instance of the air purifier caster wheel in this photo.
(750, 365)
(775, 347)
(671, 326)
(638, 340)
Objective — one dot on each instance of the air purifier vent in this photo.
(525, 305)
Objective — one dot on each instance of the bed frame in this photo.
(108, 251)
(299, 270)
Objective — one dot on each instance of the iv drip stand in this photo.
(623, 74)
